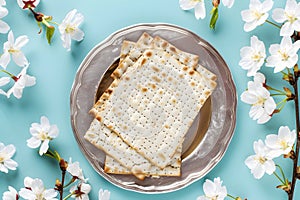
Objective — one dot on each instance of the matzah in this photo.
(193, 90)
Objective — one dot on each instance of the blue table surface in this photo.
(55, 69)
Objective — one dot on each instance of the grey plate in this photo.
(208, 138)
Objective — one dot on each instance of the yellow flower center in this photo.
(43, 136)
(70, 29)
(2, 159)
(284, 144)
(256, 57)
(284, 56)
(257, 14)
(260, 101)
(262, 160)
(291, 18)
(11, 50)
(40, 197)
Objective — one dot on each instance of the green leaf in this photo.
(49, 33)
(214, 17)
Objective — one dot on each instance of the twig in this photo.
(296, 101)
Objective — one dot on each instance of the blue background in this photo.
(55, 69)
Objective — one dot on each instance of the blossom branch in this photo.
(296, 102)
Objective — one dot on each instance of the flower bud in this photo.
(215, 3)
(63, 164)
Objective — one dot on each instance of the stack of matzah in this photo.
(142, 118)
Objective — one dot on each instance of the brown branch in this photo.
(296, 101)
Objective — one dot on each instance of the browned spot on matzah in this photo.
(144, 89)
(155, 78)
(143, 61)
(173, 49)
(109, 91)
(170, 79)
(116, 74)
(161, 92)
(192, 72)
(164, 74)
(185, 68)
(125, 127)
(153, 86)
(164, 45)
(155, 69)
(99, 118)
(162, 156)
(213, 84)
(167, 126)
(193, 84)
(207, 93)
(173, 101)
(148, 53)
(127, 78)
(109, 126)
(186, 60)
(181, 76)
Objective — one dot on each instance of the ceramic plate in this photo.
(207, 139)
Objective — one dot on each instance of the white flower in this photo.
(69, 28)
(103, 194)
(6, 153)
(13, 48)
(22, 80)
(263, 105)
(253, 56)
(283, 55)
(2, 2)
(213, 190)
(75, 170)
(4, 81)
(34, 190)
(257, 14)
(290, 16)
(25, 3)
(41, 135)
(261, 162)
(228, 3)
(12, 194)
(81, 191)
(282, 143)
(197, 5)
(4, 27)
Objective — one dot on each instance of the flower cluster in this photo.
(12, 48)
(42, 133)
(274, 146)
(200, 9)
(283, 58)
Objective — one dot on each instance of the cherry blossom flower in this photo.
(6, 153)
(253, 56)
(11, 194)
(80, 191)
(283, 55)
(103, 194)
(197, 5)
(257, 14)
(290, 16)
(282, 143)
(4, 81)
(69, 28)
(34, 189)
(41, 135)
(2, 2)
(4, 27)
(75, 170)
(13, 47)
(261, 162)
(263, 105)
(228, 3)
(28, 3)
(213, 190)
(22, 80)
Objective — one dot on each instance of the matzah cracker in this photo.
(114, 167)
(144, 93)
